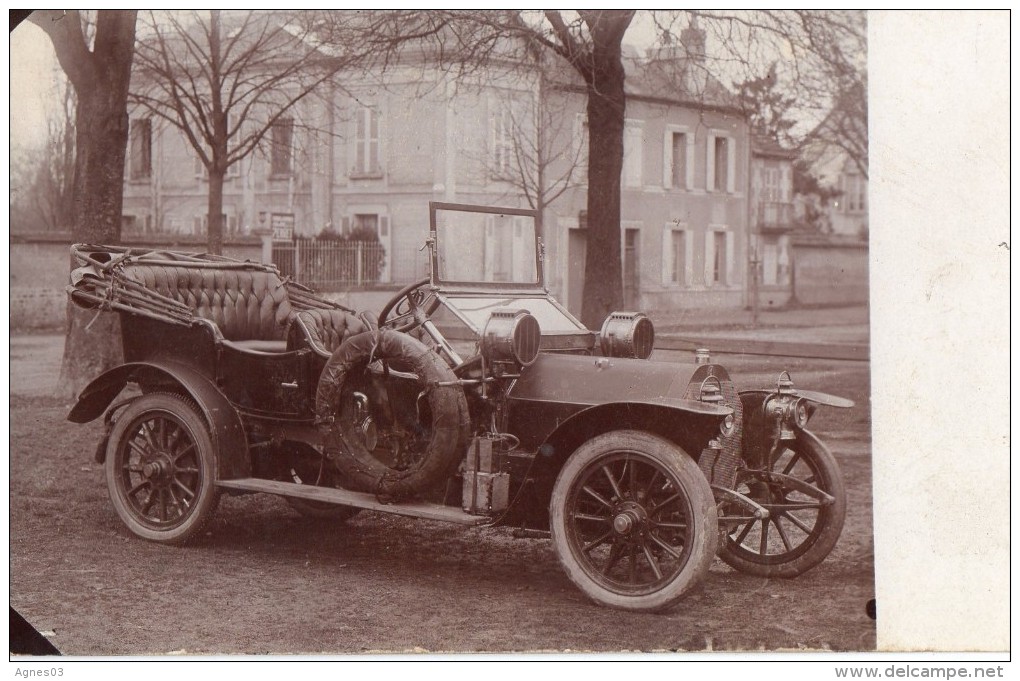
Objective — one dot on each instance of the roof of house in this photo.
(769, 148)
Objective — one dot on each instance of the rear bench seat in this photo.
(250, 308)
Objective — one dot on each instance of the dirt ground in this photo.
(265, 580)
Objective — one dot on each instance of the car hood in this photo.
(587, 380)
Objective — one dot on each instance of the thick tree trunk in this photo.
(100, 77)
(603, 282)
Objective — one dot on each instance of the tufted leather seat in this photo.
(246, 305)
(324, 330)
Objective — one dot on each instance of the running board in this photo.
(330, 495)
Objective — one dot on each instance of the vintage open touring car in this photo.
(474, 398)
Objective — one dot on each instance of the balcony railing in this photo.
(775, 215)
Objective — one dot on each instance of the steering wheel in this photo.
(411, 305)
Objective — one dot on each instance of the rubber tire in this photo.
(359, 470)
(811, 448)
(208, 495)
(687, 476)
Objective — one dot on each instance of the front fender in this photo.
(813, 396)
(225, 427)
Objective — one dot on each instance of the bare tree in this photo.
(42, 179)
(229, 83)
(822, 53)
(100, 71)
(533, 151)
(591, 43)
(819, 59)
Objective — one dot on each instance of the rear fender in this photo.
(225, 427)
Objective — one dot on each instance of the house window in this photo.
(365, 223)
(722, 151)
(679, 159)
(282, 147)
(855, 194)
(366, 142)
(721, 164)
(678, 251)
(719, 257)
(501, 133)
(676, 255)
(633, 143)
(770, 186)
(140, 160)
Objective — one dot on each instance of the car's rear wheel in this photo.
(633, 521)
(161, 469)
(806, 504)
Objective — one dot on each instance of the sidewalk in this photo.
(830, 332)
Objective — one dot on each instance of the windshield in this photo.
(492, 247)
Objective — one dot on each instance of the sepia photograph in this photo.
(430, 332)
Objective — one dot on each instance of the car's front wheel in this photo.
(633, 521)
(161, 469)
(802, 489)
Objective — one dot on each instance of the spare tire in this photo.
(360, 470)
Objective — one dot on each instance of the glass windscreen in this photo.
(550, 318)
(486, 248)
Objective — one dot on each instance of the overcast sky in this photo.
(33, 75)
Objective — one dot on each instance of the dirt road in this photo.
(264, 580)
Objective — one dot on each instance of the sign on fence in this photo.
(283, 225)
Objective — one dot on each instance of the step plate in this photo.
(414, 509)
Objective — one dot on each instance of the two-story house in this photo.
(773, 218)
(370, 157)
(684, 201)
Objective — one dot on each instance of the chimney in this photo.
(693, 40)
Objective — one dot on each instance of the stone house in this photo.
(372, 157)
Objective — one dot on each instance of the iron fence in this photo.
(330, 265)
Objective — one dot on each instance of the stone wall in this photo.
(40, 267)
(830, 270)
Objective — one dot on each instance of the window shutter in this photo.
(690, 162)
(730, 246)
(667, 160)
(345, 225)
(709, 256)
(731, 164)
(710, 164)
(667, 255)
(688, 258)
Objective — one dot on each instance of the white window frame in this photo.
(727, 280)
(632, 174)
(667, 157)
(272, 147)
(133, 133)
(669, 231)
(731, 162)
(367, 165)
(501, 140)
